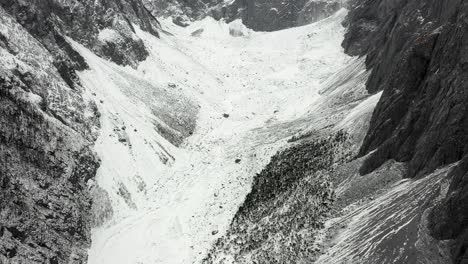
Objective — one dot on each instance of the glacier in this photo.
(238, 96)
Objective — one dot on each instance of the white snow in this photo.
(109, 35)
(271, 86)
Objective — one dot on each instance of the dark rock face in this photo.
(449, 219)
(259, 15)
(49, 21)
(181, 9)
(266, 15)
(317, 10)
(47, 128)
(418, 54)
(46, 134)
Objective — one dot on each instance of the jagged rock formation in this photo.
(417, 52)
(105, 27)
(46, 135)
(263, 15)
(48, 127)
(448, 220)
(182, 11)
(259, 15)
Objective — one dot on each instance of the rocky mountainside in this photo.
(46, 136)
(263, 15)
(47, 125)
(417, 53)
(182, 11)
(259, 15)
(106, 27)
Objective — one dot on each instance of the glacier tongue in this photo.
(247, 93)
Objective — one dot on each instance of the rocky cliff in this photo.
(47, 124)
(182, 11)
(263, 15)
(259, 15)
(105, 27)
(46, 135)
(417, 53)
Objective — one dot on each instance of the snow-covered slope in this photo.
(247, 93)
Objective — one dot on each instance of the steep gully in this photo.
(248, 92)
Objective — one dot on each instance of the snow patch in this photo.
(109, 35)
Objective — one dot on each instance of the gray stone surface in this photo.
(48, 127)
(267, 15)
(49, 21)
(417, 51)
(46, 134)
(259, 15)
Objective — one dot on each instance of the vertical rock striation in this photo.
(417, 51)
(46, 135)
(47, 124)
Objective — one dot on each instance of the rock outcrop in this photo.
(417, 51)
(46, 134)
(48, 126)
(182, 11)
(259, 15)
(105, 27)
(264, 15)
